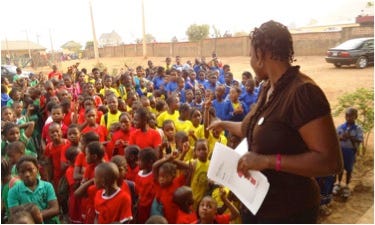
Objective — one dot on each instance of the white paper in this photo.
(223, 170)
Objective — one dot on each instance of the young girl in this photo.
(145, 184)
(237, 109)
(166, 181)
(183, 123)
(91, 125)
(74, 211)
(169, 142)
(172, 112)
(120, 138)
(7, 114)
(207, 211)
(183, 197)
(15, 95)
(199, 180)
(131, 156)
(7, 182)
(91, 92)
(196, 132)
(25, 191)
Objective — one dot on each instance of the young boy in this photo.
(145, 184)
(172, 84)
(53, 153)
(220, 105)
(172, 112)
(112, 204)
(249, 96)
(183, 197)
(183, 123)
(113, 115)
(108, 87)
(57, 117)
(350, 136)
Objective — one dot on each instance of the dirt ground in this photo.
(334, 82)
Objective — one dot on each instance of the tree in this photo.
(197, 32)
(363, 100)
(72, 46)
(149, 39)
(216, 32)
(241, 34)
(89, 44)
(174, 39)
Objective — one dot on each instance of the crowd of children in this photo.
(127, 148)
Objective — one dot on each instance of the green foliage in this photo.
(197, 32)
(241, 34)
(149, 39)
(72, 46)
(363, 100)
(89, 44)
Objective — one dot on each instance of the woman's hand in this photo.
(215, 124)
(252, 161)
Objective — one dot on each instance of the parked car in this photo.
(359, 51)
(9, 71)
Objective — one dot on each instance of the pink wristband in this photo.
(278, 162)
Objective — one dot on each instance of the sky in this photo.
(69, 20)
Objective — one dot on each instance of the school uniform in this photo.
(20, 194)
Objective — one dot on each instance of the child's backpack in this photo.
(134, 197)
(63, 193)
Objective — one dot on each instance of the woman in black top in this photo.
(290, 131)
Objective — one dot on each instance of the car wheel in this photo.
(361, 62)
(337, 65)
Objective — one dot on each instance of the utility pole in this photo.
(144, 31)
(28, 43)
(7, 47)
(52, 53)
(96, 50)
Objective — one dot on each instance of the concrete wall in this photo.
(305, 44)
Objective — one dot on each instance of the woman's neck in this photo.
(276, 71)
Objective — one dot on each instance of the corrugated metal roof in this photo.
(20, 45)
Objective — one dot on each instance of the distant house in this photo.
(20, 48)
(110, 39)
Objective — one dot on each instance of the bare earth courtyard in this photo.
(334, 82)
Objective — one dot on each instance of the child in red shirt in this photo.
(91, 92)
(131, 156)
(144, 136)
(207, 210)
(53, 153)
(166, 181)
(145, 184)
(57, 117)
(91, 125)
(87, 189)
(120, 138)
(74, 202)
(88, 102)
(112, 204)
(126, 185)
(183, 197)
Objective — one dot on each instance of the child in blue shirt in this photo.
(249, 96)
(350, 136)
(172, 83)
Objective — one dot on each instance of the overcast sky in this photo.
(70, 19)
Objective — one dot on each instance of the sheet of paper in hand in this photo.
(223, 170)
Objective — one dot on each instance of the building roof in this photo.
(20, 45)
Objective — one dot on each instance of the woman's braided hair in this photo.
(274, 38)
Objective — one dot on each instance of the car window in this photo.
(369, 44)
(351, 44)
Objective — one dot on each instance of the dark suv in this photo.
(359, 51)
